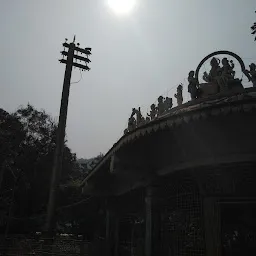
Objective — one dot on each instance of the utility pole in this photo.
(72, 57)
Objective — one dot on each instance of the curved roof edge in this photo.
(185, 113)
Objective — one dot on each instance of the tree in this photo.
(28, 141)
(253, 28)
(27, 145)
(87, 165)
(35, 158)
(11, 136)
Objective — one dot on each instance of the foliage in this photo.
(11, 136)
(253, 28)
(87, 165)
(27, 144)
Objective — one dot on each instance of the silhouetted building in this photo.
(183, 183)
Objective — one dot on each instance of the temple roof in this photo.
(219, 104)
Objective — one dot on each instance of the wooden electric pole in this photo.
(72, 55)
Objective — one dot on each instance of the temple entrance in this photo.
(238, 228)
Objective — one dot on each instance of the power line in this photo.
(81, 76)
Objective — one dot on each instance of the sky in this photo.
(135, 57)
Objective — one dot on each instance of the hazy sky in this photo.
(135, 57)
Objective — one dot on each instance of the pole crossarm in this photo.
(76, 65)
(77, 57)
(86, 51)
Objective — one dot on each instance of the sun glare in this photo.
(121, 7)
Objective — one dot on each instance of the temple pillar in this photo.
(108, 232)
(212, 227)
(148, 222)
(112, 230)
(97, 243)
(116, 236)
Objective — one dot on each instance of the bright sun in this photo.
(121, 6)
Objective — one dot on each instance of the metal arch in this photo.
(227, 53)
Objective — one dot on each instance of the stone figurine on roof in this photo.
(153, 112)
(140, 120)
(223, 77)
(228, 69)
(179, 95)
(131, 123)
(193, 85)
(160, 106)
(214, 72)
(252, 72)
(168, 104)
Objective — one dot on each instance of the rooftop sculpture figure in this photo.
(160, 106)
(228, 69)
(153, 112)
(221, 78)
(215, 73)
(168, 104)
(220, 75)
(193, 85)
(179, 95)
(140, 120)
(131, 123)
(252, 72)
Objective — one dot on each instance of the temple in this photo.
(182, 180)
